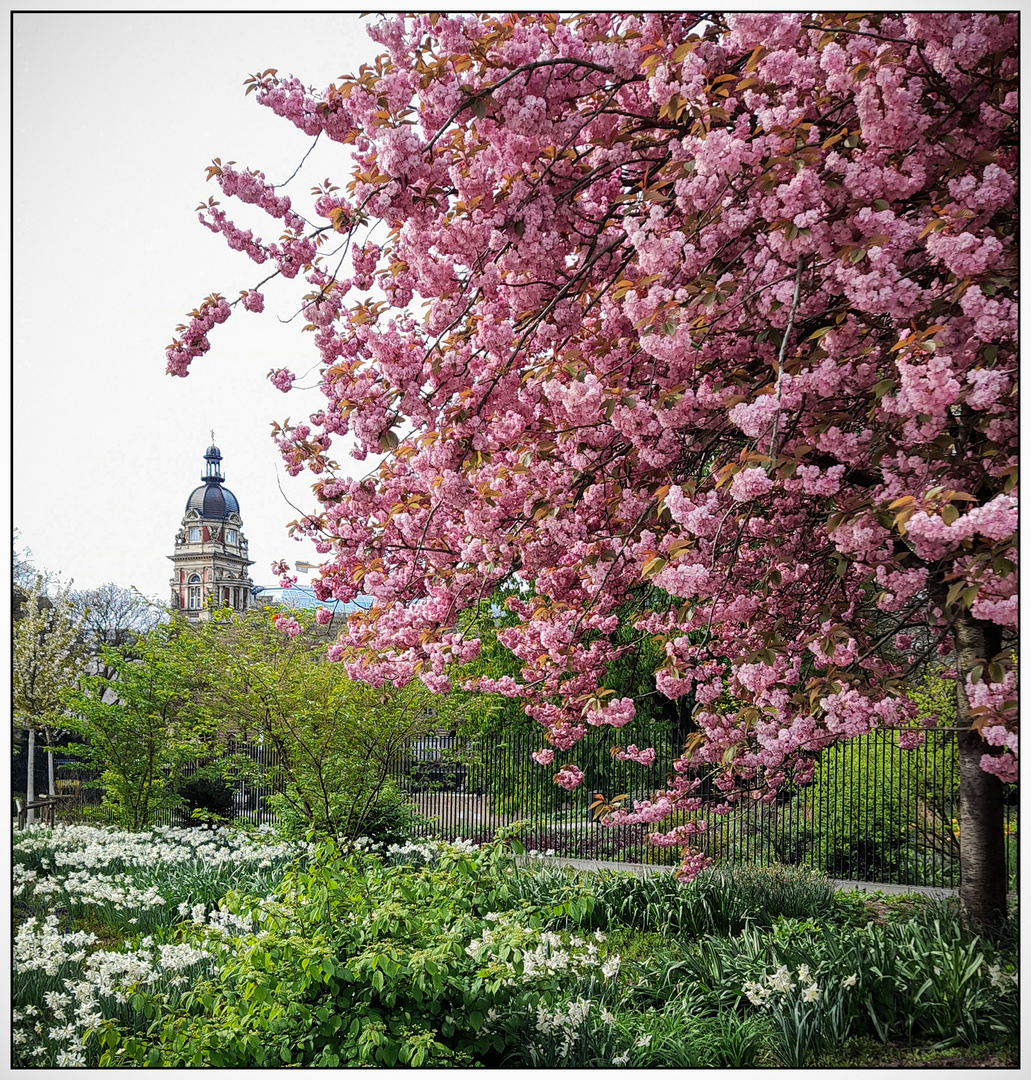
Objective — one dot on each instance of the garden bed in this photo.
(219, 948)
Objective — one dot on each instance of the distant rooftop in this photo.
(299, 598)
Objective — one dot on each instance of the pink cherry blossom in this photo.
(282, 379)
(631, 753)
(749, 484)
(727, 364)
(910, 740)
(568, 777)
(1004, 766)
(286, 625)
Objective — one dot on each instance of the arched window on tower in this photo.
(194, 591)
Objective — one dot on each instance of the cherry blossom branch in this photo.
(859, 33)
(300, 164)
(486, 91)
(780, 358)
(539, 318)
(620, 554)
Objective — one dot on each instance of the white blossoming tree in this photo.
(45, 664)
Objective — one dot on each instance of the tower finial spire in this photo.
(213, 456)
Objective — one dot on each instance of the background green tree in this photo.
(142, 724)
(335, 741)
(45, 665)
(113, 615)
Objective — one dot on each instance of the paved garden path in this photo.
(650, 868)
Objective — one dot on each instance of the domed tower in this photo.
(210, 561)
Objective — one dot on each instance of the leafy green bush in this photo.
(885, 814)
(139, 725)
(389, 818)
(209, 795)
(354, 962)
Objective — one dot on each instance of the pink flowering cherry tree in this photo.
(713, 321)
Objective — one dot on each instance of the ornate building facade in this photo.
(210, 564)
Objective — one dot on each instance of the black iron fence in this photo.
(241, 788)
(70, 779)
(873, 812)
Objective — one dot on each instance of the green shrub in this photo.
(392, 818)
(885, 814)
(361, 963)
(139, 725)
(206, 797)
(389, 819)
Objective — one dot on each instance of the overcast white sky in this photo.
(115, 117)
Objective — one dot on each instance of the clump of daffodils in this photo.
(1001, 978)
(86, 984)
(110, 850)
(65, 982)
(535, 954)
(781, 982)
(423, 850)
(567, 1025)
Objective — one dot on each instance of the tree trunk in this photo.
(30, 771)
(982, 858)
(50, 763)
